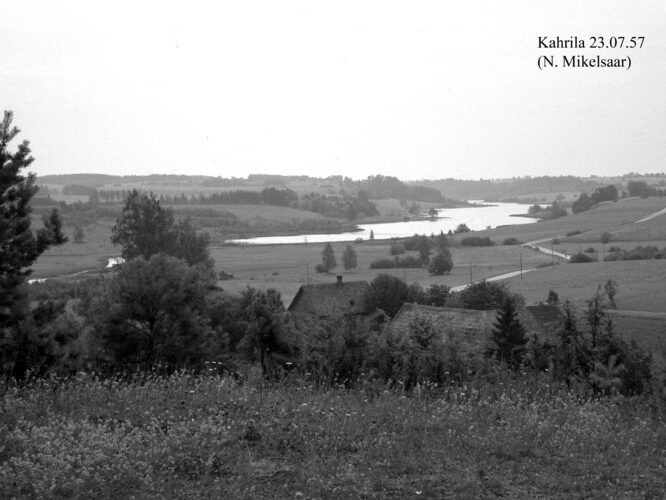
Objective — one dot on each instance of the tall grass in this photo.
(216, 436)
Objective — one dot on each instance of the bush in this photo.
(613, 256)
(574, 233)
(590, 250)
(581, 258)
(462, 228)
(321, 268)
(511, 241)
(641, 253)
(440, 264)
(381, 264)
(483, 295)
(397, 249)
(476, 241)
(408, 262)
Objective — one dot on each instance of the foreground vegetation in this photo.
(183, 436)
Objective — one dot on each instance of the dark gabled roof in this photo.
(474, 327)
(471, 326)
(331, 299)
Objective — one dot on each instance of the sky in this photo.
(416, 90)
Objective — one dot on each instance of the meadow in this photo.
(182, 436)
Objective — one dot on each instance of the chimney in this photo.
(339, 279)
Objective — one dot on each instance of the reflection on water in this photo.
(476, 218)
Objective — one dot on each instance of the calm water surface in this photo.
(476, 218)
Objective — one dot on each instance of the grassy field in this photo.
(286, 267)
(641, 283)
(213, 437)
(617, 218)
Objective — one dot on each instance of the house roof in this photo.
(471, 326)
(331, 299)
(474, 327)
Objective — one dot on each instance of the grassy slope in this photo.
(213, 438)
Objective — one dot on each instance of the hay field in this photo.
(286, 267)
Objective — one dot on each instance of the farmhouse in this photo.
(471, 327)
(329, 300)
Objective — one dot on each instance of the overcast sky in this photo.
(411, 89)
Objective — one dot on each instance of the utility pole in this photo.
(552, 253)
(521, 263)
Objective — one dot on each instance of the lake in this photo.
(476, 218)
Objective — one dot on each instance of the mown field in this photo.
(215, 437)
(286, 267)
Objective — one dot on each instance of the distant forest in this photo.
(445, 192)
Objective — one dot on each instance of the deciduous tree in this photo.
(145, 229)
(349, 258)
(328, 261)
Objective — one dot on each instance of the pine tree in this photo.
(508, 337)
(328, 261)
(19, 246)
(349, 258)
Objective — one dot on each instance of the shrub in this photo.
(477, 241)
(382, 264)
(321, 268)
(441, 264)
(590, 250)
(483, 295)
(574, 233)
(408, 262)
(397, 249)
(462, 228)
(613, 256)
(581, 258)
(511, 241)
(641, 253)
